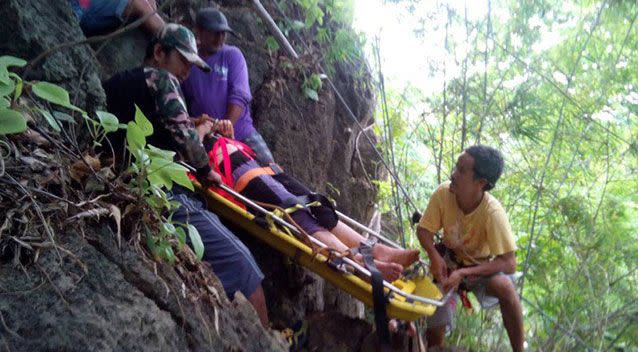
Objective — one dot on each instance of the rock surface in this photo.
(30, 28)
(122, 302)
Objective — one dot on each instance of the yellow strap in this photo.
(296, 207)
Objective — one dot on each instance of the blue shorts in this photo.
(231, 261)
(100, 14)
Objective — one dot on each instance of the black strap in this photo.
(379, 299)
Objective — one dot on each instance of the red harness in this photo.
(227, 175)
(222, 143)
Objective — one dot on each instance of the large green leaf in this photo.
(178, 174)
(6, 62)
(134, 136)
(311, 94)
(143, 123)
(4, 103)
(54, 94)
(157, 152)
(196, 241)
(158, 174)
(9, 61)
(108, 121)
(50, 119)
(11, 121)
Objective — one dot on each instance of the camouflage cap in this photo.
(176, 36)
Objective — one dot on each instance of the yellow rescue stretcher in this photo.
(408, 299)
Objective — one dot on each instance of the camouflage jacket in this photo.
(173, 115)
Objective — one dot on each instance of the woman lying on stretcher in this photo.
(238, 170)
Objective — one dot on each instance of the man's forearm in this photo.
(426, 239)
(505, 263)
(233, 112)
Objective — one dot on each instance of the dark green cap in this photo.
(180, 38)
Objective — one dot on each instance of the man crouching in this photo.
(478, 248)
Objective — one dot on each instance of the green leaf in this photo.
(143, 123)
(6, 88)
(168, 253)
(168, 228)
(18, 84)
(297, 25)
(4, 103)
(11, 121)
(9, 61)
(271, 44)
(108, 121)
(54, 94)
(157, 173)
(180, 177)
(134, 136)
(157, 152)
(50, 119)
(150, 242)
(4, 76)
(311, 93)
(181, 235)
(61, 116)
(196, 241)
(315, 82)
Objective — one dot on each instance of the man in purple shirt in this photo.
(224, 93)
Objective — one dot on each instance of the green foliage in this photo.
(311, 86)
(271, 44)
(11, 120)
(331, 21)
(54, 94)
(154, 170)
(564, 112)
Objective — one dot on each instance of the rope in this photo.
(352, 115)
(388, 136)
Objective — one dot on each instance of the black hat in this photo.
(213, 20)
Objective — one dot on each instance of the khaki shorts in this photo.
(444, 315)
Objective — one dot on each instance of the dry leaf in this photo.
(80, 169)
(116, 214)
(97, 212)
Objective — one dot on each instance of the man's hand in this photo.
(204, 126)
(438, 268)
(453, 281)
(225, 128)
(212, 179)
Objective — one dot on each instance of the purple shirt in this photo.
(210, 93)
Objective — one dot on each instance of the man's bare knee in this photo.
(501, 287)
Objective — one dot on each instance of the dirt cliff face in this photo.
(115, 300)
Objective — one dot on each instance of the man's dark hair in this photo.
(488, 164)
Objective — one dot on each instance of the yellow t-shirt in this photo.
(475, 237)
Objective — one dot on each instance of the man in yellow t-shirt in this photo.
(477, 241)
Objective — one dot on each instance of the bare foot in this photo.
(405, 257)
(390, 271)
